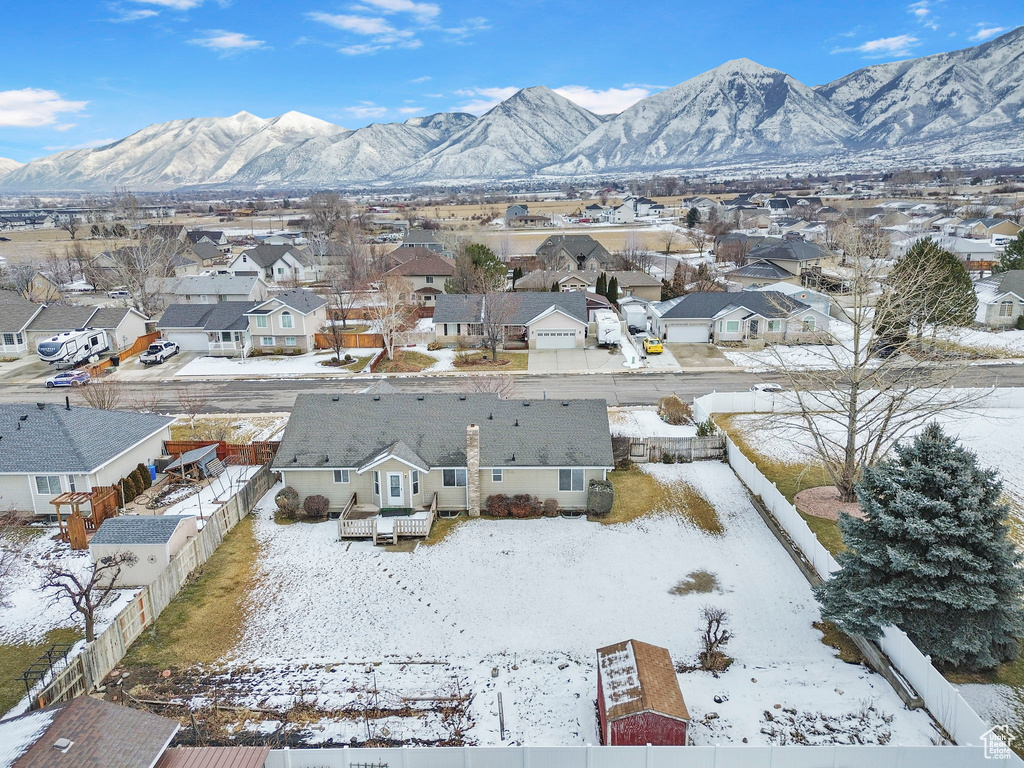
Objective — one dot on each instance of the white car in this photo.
(766, 386)
(119, 293)
(158, 352)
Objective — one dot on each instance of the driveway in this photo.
(574, 360)
(699, 356)
(133, 370)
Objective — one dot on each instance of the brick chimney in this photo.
(473, 469)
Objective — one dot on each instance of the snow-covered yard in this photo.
(295, 365)
(644, 421)
(533, 600)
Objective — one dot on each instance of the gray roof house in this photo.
(153, 539)
(214, 329)
(1000, 299)
(48, 449)
(16, 313)
(407, 451)
(123, 324)
(212, 289)
(288, 320)
(570, 252)
(276, 263)
(540, 320)
(736, 317)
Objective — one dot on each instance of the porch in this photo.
(230, 344)
(385, 526)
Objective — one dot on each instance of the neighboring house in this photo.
(86, 732)
(212, 237)
(759, 273)
(214, 329)
(516, 210)
(288, 320)
(207, 254)
(16, 313)
(985, 228)
(426, 273)
(816, 300)
(423, 238)
(631, 283)
(1000, 298)
(212, 289)
(43, 289)
(946, 225)
(575, 252)
(540, 320)
(397, 451)
(638, 698)
(529, 220)
(49, 449)
(166, 232)
(123, 324)
(276, 263)
(402, 255)
(701, 318)
(794, 255)
(153, 539)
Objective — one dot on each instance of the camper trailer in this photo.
(609, 329)
(73, 347)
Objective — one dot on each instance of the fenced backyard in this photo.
(254, 453)
(681, 449)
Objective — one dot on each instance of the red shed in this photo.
(638, 696)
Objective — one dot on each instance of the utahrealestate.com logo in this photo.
(997, 741)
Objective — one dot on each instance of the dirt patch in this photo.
(698, 582)
(824, 502)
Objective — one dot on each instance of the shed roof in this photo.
(214, 757)
(138, 529)
(639, 677)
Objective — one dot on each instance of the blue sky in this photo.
(81, 73)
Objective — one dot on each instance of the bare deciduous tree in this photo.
(502, 385)
(668, 237)
(388, 309)
(69, 223)
(17, 278)
(192, 401)
(343, 292)
(327, 210)
(713, 639)
(635, 255)
(106, 394)
(498, 311)
(698, 240)
(87, 593)
(10, 544)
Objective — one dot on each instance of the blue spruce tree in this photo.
(931, 557)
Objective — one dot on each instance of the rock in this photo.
(711, 716)
(778, 706)
(753, 679)
(165, 673)
(563, 665)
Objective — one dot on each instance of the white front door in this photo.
(394, 496)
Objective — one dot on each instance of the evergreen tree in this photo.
(1013, 256)
(692, 218)
(601, 288)
(554, 287)
(612, 292)
(931, 557)
(932, 287)
(516, 274)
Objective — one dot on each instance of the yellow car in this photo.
(652, 346)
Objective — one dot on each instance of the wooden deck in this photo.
(365, 521)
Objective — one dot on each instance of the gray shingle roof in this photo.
(299, 299)
(219, 284)
(109, 317)
(420, 237)
(789, 250)
(467, 308)
(345, 431)
(761, 269)
(1011, 281)
(541, 279)
(79, 440)
(576, 245)
(431, 263)
(61, 317)
(15, 312)
(265, 255)
(224, 316)
(704, 306)
(137, 529)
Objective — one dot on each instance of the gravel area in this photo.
(823, 501)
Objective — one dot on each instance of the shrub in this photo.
(707, 428)
(316, 506)
(128, 492)
(140, 484)
(498, 505)
(348, 358)
(434, 346)
(674, 411)
(600, 497)
(143, 471)
(551, 508)
(524, 505)
(1020, 323)
(668, 458)
(287, 500)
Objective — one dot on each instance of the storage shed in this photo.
(153, 539)
(638, 696)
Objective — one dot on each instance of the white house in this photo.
(700, 318)
(288, 320)
(276, 263)
(214, 288)
(219, 329)
(822, 302)
(1000, 299)
(153, 539)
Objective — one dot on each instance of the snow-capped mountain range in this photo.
(965, 106)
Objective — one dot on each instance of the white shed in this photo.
(153, 539)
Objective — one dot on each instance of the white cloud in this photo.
(134, 15)
(227, 42)
(366, 109)
(177, 5)
(423, 79)
(922, 11)
(425, 12)
(410, 110)
(483, 99)
(606, 102)
(434, 95)
(360, 25)
(34, 107)
(899, 45)
(386, 35)
(84, 145)
(985, 32)
(467, 27)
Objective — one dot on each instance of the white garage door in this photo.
(556, 339)
(687, 333)
(192, 342)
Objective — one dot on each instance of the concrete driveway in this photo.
(574, 360)
(699, 356)
(133, 370)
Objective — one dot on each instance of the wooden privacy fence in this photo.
(350, 341)
(683, 449)
(141, 345)
(99, 657)
(259, 452)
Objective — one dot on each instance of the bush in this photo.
(1019, 325)
(287, 500)
(707, 428)
(128, 491)
(143, 471)
(316, 506)
(674, 411)
(498, 505)
(551, 508)
(434, 346)
(137, 479)
(524, 505)
(600, 497)
(348, 358)
(668, 458)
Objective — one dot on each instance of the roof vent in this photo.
(23, 417)
(63, 745)
(513, 457)
(376, 397)
(565, 402)
(419, 397)
(526, 404)
(462, 397)
(516, 424)
(491, 417)
(40, 406)
(335, 398)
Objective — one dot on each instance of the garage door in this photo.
(192, 342)
(556, 339)
(687, 333)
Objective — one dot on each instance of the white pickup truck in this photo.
(158, 352)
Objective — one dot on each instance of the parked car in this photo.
(69, 379)
(119, 293)
(158, 352)
(5, 239)
(652, 345)
(766, 386)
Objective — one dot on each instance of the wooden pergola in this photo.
(102, 503)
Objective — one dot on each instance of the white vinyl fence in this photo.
(638, 757)
(946, 705)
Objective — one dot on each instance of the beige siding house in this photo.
(426, 275)
(538, 320)
(288, 320)
(771, 316)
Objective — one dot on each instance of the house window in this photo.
(9, 339)
(453, 478)
(287, 321)
(376, 483)
(71, 483)
(47, 484)
(280, 270)
(415, 482)
(774, 326)
(732, 326)
(289, 341)
(496, 475)
(267, 341)
(261, 321)
(341, 476)
(430, 279)
(570, 479)
(809, 324)
(225, 335)
(475, 329)
(1005, 310)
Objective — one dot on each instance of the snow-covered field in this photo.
(534, 600)
(296, 365)
(644, 421)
